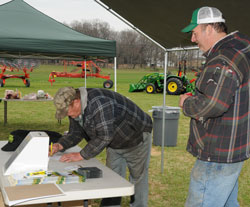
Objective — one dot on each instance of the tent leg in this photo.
(115, 66)
(85, 74)
(163, 111)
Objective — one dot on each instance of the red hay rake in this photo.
(92, 70)
(26, 65)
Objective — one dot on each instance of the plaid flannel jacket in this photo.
(220, 110)
(109, 120)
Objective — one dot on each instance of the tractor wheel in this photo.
(150, 88)
(27, 84)
(1, 83)
(159, 90)
(108, 84)
(174, 86)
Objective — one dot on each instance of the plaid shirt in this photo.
(109, 120)
(220, 110)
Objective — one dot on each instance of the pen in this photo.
(37, 173)
(51, 147)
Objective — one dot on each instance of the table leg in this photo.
(5, 112)
(51, 204)
(85, 203)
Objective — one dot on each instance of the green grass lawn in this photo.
(167, 189)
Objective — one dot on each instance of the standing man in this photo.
(109, 120)
(219, 110)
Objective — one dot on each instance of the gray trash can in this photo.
(172, 115)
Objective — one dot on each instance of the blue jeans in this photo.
(214, 184)
(137, 160)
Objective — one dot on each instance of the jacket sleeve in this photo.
(215, 90)
(74, 136)
(103, 118)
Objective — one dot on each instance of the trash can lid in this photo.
(160, 108)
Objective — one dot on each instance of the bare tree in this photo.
(132, 48)
(94, 28)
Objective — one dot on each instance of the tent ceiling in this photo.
(26, 32)
(162, 20)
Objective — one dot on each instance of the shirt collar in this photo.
(218, 44)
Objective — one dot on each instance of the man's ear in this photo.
(77, 101)
(210, 30)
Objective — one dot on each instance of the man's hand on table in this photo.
(71, 157)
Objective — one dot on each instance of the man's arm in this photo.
(215, 93)
(103, 117)
(74, 136)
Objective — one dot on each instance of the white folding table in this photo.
(110, 185)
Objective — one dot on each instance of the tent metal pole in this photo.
(182, 48)
(115, 66)
(163, 111)
(85, 74)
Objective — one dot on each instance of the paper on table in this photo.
(20, 194)
(59, 177)
(56, 156)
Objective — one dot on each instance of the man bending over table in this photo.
(106, 119)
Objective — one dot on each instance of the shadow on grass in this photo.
(50, 126)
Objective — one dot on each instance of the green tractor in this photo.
(154, 83)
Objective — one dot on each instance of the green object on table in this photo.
(11, 138)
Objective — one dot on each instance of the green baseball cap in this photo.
(204, 15)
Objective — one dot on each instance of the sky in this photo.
(70, 10)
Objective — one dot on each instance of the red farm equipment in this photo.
(92, 70)
(14, 66)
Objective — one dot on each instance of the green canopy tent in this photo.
(28, 33)
(162, 20)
